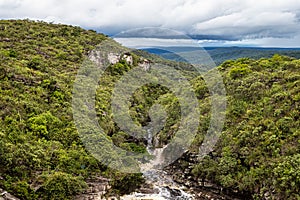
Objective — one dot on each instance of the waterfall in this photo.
(166, 188)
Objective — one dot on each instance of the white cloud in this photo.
(236, 19)
(155, 42)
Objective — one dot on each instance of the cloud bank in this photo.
(226, 20)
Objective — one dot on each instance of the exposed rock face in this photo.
(145, 64)
(6, 196)
(127, 58)
(181, 171)
(113, 58)
(97, 188)
(97, 57)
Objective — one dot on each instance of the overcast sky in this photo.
(213, 22)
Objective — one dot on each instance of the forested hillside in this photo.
(42, 156)
(259, 150)
(221, 54)
(41, 153)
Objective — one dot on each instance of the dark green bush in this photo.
(239, 71)
(60, 186)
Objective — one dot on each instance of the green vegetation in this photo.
(221, 54)
(42, 155)
(259, 150)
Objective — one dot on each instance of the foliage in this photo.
(239, 71)
(258, 151)
(38, 64)
(60, 185)
(127, 183)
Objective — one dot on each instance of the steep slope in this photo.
(41, 153)
(43, 157)
(258, 154)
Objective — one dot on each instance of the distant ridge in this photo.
(221, 54)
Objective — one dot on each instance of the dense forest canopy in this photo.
(43, 157)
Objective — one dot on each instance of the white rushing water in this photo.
(163, 186)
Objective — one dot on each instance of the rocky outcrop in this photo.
(113, 58)
(127, 58)
(4, 195)
(97, 188)
(145, 64)
(181, 171)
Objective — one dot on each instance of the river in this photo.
(163, 187)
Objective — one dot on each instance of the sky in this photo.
(266, 23)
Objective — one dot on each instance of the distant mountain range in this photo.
(221, 54)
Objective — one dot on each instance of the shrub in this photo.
(43, 124)
(23, 190)
(60, 185)
(127, 183)
(35, 63)
(239, 71)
